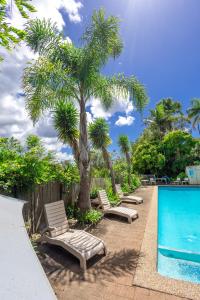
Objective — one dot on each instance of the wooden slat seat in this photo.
(128, 213)
(130, 198)
(81, 244)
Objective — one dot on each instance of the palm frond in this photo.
(65, 118)
(42, 36)
(102, 38)
(124, 143)
(44, 84)
(99, 133)
(129, 87)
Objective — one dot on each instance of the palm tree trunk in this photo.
(128, 160)
(108, 162)
(84, 195)
(76, 153)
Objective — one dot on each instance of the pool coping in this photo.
(146, 274)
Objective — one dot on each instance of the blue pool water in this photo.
(179, 232)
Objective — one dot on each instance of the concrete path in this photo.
(109, 277)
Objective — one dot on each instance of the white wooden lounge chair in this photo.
(78, 242)
(128, 213)
(152, 181)
(185, 180)
(130, 198)
(177, 181)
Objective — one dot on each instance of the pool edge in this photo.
(146, 274)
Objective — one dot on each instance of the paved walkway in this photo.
(109, 277)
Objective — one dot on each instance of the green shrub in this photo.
(94, 193)
(126, 188)
(182, 175)
(71, 211)
(113, 199)
(89, 217)
(135, 183)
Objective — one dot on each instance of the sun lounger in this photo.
(152, 181)
(128, 213)
(78, 242)
(130, 198)
(185, 180)
(177, 181)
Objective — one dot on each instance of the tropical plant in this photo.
(65, 118)
(99, 136)
(125, 148)
(92, 216)
(66, 72)
(166, 116)
(10, 35)
(194, 113)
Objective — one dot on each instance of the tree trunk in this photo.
(108, 162)
(128, 160)
(84, 195)
(76, 153)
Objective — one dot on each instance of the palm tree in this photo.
(194, 113)
(99, 136)
(65, 72)
(125, 148)
(65, 119)
(166, 116)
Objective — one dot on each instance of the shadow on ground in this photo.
(61, 267)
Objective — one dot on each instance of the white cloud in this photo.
(14, 120)
(120, 104)
(122, 121)
(89, 117)
(49, 9)
(63, 156)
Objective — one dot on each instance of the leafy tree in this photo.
(66, 72)
(195, 152)
(177, 148)
(125, 148)
(10, 35)
(194, 113)
(166, 117)
(23, 167)
(148, 159)
(99, 135)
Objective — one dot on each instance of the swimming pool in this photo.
(179, 232)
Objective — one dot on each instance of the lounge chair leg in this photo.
(83, 264)
(105, 250)
(129, 220)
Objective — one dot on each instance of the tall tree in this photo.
(125, 148)
(10, 35)
(99, 135)
(71, 73)
(194, 113)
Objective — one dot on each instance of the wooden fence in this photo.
(47, 193)
(42, 194)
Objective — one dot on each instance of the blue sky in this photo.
(161, 48)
